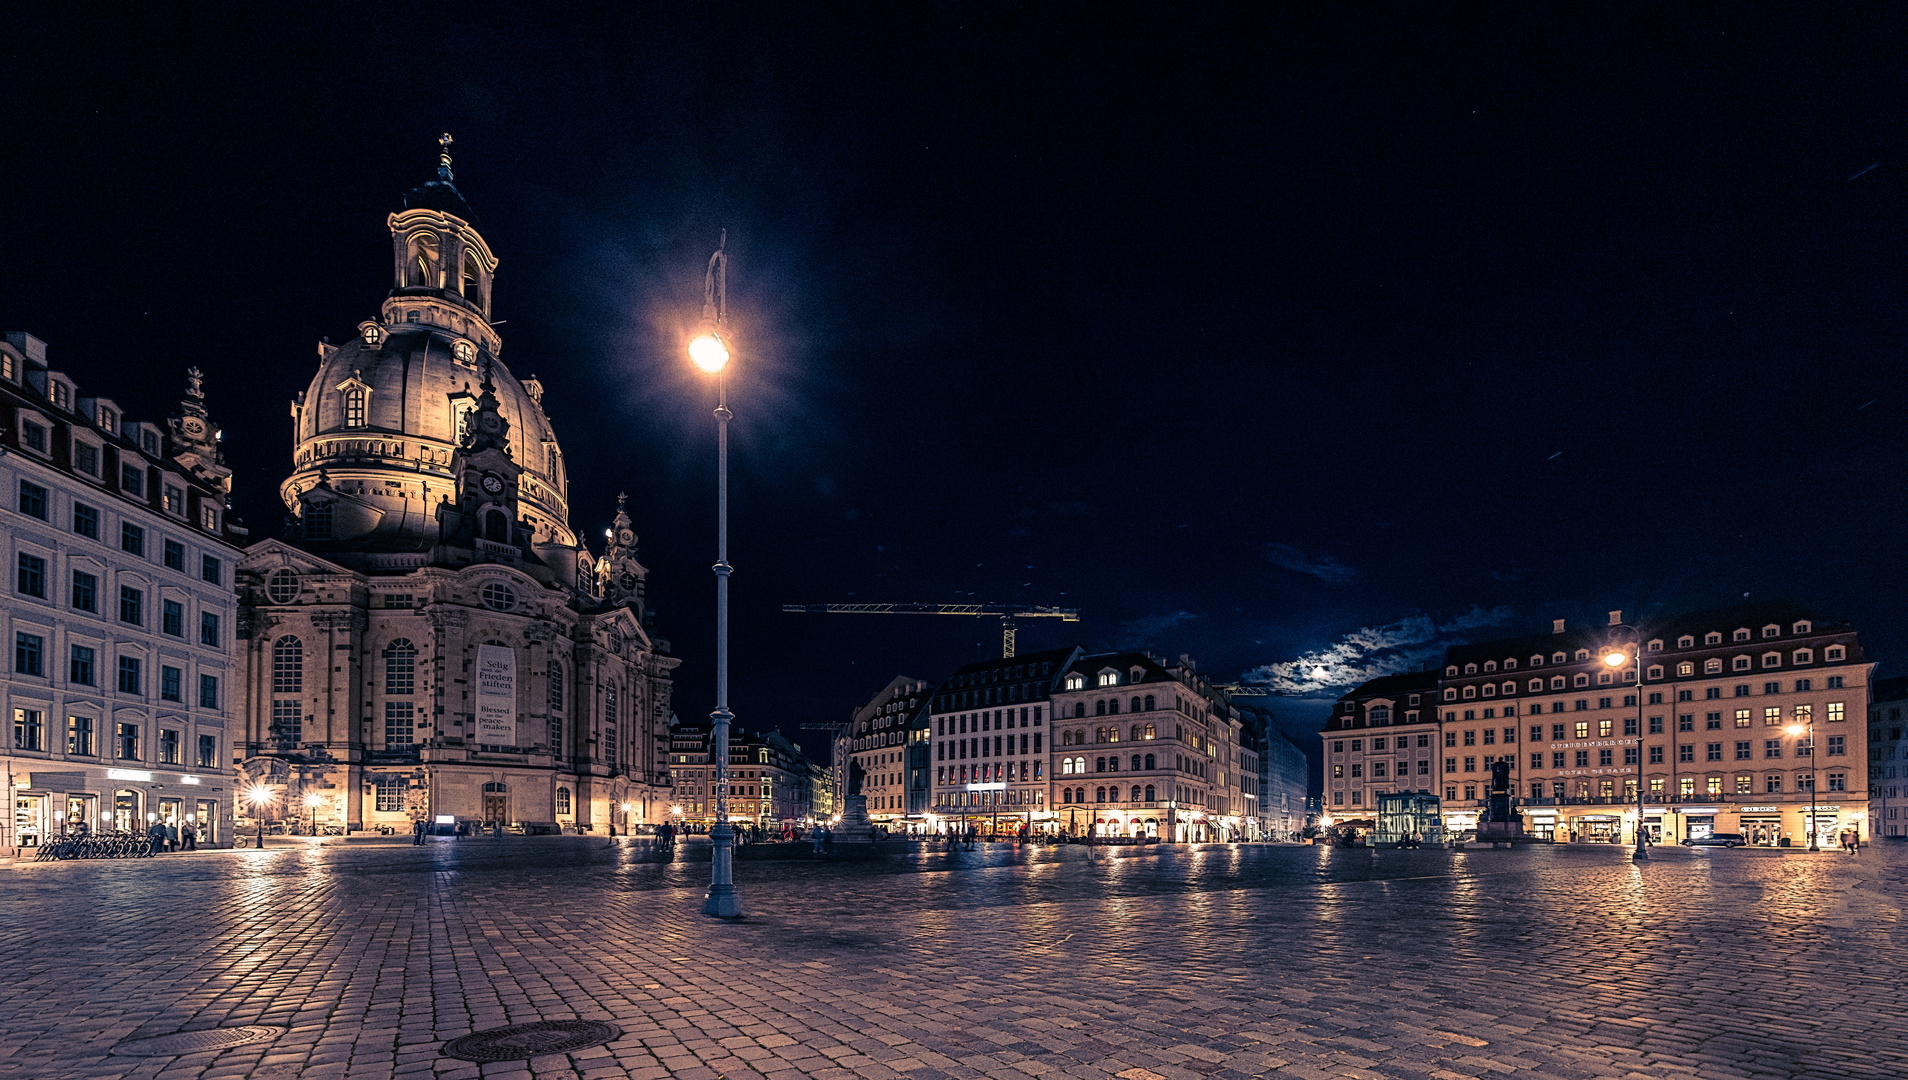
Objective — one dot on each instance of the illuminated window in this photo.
(354, 406)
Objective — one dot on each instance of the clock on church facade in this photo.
(432, 640)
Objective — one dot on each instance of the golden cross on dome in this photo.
(443, 156)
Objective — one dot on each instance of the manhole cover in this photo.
(520, 1041)
(197, 1042)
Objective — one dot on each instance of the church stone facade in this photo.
(431, 639)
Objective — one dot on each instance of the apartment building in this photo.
(1720, 729)
(121, 609)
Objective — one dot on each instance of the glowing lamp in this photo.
(314, 800)
(1614, 658)
(708, 352)
(258, 795)
(1796, 729)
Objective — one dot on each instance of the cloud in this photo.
(1370, 652)
(1146, 629)
(1324, 567)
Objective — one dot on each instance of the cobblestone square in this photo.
(1181, 964)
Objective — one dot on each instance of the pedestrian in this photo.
(417, 833)
(172, 836)
(828, 840)
(817, 835)
(156, 836)
(189, 837)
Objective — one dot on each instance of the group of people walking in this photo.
(173, 836)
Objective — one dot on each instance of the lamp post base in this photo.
(722, 903)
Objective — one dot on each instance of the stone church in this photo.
(431, 639)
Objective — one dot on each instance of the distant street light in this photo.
(1616, 657)
(1814, 819)
(312, 801)
(258, 795)
(708, 351)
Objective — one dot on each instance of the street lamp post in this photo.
(1815, 821)
(1615, 657)
(710, 354)
(258, 796)
(312, 801)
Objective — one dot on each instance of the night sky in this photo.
(1303, 347)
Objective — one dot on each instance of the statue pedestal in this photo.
(855, 828)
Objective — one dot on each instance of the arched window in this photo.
(1099, 764)
(496, 527)
(354, 406)
(1099, 708)
(563, 800)
(1136, 763)
(422, 260)
(496, 788)
(400, 667)
(1136, 705)
(1099, 794)
(1113, 707)
(1137, 731)
(1149, 794)
(1149, 703)
(1079, 708)
(288, 666)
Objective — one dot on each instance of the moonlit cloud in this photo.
(1370, 652)
(1322, 567)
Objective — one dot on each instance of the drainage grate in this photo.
(197, 1042)
(520, 1041)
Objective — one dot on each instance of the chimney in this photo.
(1616, 618)
(1556, 626)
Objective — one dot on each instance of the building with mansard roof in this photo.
(120, 610)
(1719, 730)
(432, 639)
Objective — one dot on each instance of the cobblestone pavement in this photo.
(1184, 964)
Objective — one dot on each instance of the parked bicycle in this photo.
(118, 845)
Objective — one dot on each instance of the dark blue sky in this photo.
(1252, 339)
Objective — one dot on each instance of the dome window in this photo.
(465, 353)
(372, 333)
(499, 598)
(354, 407)
(283, 586)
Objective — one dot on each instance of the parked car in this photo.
(1716, 839)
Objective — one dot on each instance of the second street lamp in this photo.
(1615, 656)
(1798, 730)
(710, 353)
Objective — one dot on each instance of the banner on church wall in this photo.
(496, 695)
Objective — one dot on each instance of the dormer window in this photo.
(1511, 664)
(1109, 678)
(1742, 633)
(1772, 630)
(1805, 656)
(1076, 682)
(1714, 637)
(1656, 671)
(149, 441)
(108, 422)
(317, 521)
(1834, 652)
(1583, 654)
(1559, 657)
(33, 435)
(1490, 665)
(354, 407)
(1656, 645)
(1136, 675)
(58, 393)
(1470, 669)
(1801, 627)
(1537, 660)
(1452, 670)
(373, 333)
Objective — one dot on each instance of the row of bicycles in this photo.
(114, 845)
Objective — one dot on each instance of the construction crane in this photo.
(1008, 613)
